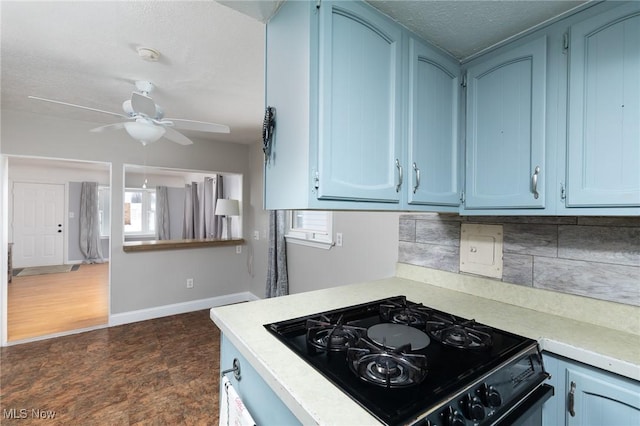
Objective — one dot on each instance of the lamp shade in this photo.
(144, 131)
(226, 207)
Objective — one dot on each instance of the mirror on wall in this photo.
(163, 204)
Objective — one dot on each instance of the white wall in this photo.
(151, 279)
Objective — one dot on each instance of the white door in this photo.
(38, 227)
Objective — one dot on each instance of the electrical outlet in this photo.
(189, 282)
(238, 249)
(339, 239)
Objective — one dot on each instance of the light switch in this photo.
(481, 249)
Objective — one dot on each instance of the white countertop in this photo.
(308, 394)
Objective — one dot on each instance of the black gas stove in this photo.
(409, 364)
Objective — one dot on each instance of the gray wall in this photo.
(151, 279)
(369, 252)
(154, 279)
(597, 257)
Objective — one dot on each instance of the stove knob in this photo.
(473, 408)
(490, 396)
(453, 418)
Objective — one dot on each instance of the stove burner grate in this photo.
(458, 333)
(390, 368)
(334, 336)
(405, 313)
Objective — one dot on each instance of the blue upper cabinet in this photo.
(360, 94)
(433, 155)
(505, 151)
(337, 75)
(369, 117)
(603, 155)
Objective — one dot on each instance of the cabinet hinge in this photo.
(318, 4)
(563, 193)
(565, 42)
(463, 82)
(316, 181)
(462, 197)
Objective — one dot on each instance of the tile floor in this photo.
(156, 372)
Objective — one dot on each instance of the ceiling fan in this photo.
(145, 119)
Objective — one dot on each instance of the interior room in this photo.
(267, 201)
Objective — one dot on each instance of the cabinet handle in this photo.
(571, 399)
(399, 175)
(534, 182)
(417, 170)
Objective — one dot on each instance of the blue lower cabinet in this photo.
(260, 400)
(588, 396)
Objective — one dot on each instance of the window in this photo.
(310, 227)
(140, 212)
(104, 211)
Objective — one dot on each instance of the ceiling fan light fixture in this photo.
(144, 132)
(148, 53)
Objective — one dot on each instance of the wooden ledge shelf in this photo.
(136, 246)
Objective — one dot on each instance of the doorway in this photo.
(51, 290)
(38, 210)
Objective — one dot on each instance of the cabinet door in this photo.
(600, 399)
(359, 104)
(603, 157)
(433, 128)
(260, 400)
(506, 129)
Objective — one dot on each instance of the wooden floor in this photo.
(157, 372)
(40, 305)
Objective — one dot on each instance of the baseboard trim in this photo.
(179, 308)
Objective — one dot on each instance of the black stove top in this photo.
(409, 364)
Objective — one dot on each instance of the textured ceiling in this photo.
(211, 66)
(212, 53)
(465, 27)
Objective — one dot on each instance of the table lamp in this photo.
(227, 208)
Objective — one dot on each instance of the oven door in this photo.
(529, 411)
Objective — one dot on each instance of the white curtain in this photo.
(90, 243)
(162, 213)
(199, 207)
(277, 276)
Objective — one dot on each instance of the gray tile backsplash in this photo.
(587, 256)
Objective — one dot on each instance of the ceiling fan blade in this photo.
(79, 106)
(115, 126)
(143, 105)
(177, 137)
(199, 126)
